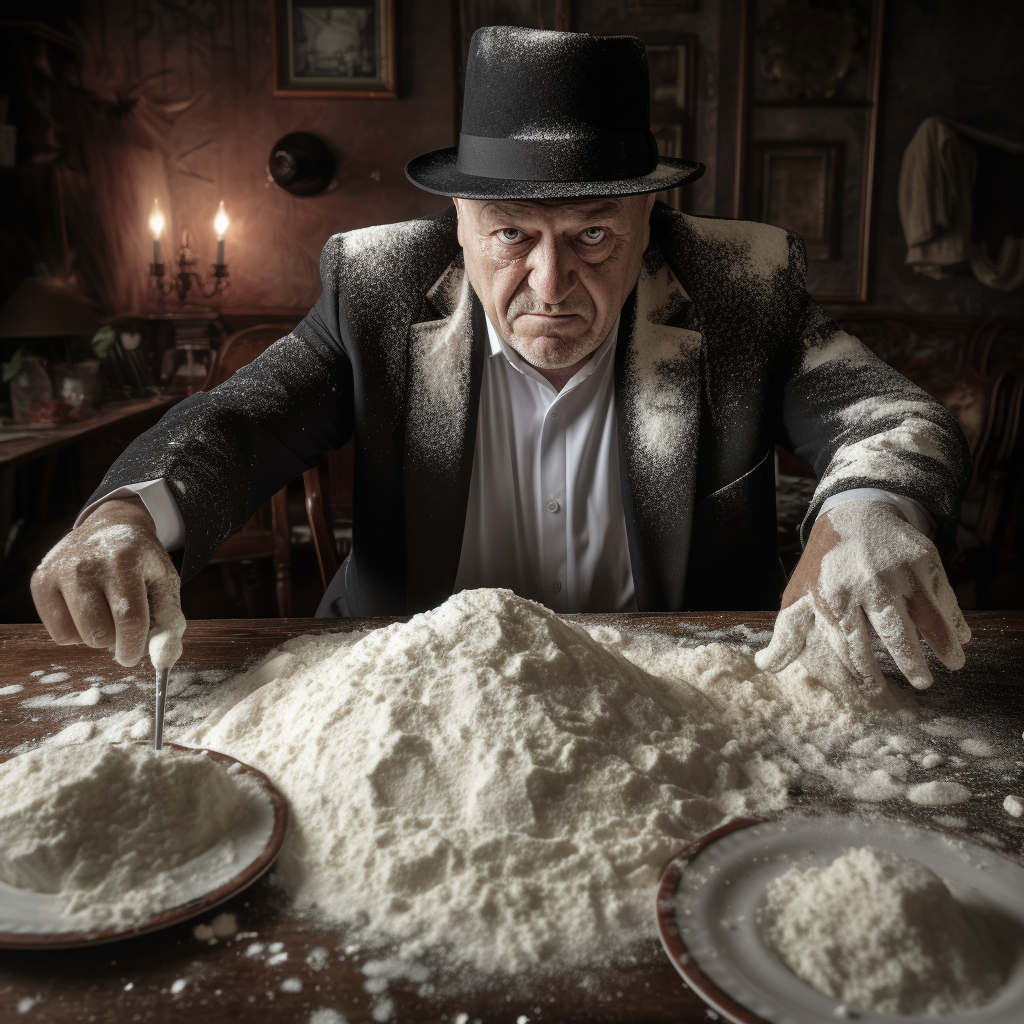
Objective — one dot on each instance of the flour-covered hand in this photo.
(864, 564)
(110, 583)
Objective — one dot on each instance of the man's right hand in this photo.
(108, 582)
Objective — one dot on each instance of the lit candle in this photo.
(220, 225)
(156, 225)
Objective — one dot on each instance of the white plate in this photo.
(31, 920)
(710, 895)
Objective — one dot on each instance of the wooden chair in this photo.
(266, 535)
(329, 509)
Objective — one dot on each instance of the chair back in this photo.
(240, 349)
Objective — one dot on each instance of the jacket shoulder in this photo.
(739, 248)
(392, 252)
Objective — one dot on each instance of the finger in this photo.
(53, 609)
(939, 630)
(792, 625)
(129, 605)
(167, 622)
(854, 632)
(899, 634)
(88, 606)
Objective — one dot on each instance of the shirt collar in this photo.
(498, 346)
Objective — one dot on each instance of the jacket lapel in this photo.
(445, 370)
(657, 398)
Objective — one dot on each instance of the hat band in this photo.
(605, 158)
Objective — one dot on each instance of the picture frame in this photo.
(334, 49)
(783, 96)
(671, 61)
(796, 185)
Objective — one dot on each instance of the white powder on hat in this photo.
(491, 779)
(101, 824)
(882, 932)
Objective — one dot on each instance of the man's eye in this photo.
(510, 234)
(592, 235)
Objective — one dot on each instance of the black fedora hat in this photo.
(552, 115)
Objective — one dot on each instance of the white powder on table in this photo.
(882, 932)
(939, 793)
(101, 824)
(490, 778)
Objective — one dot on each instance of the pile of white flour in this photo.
(493, 780)
(102, 824)
(882, 932)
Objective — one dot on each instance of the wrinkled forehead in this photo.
(553, 212)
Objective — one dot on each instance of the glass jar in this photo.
(31, 391)
(79, 385)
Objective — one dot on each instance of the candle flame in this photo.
(220, 222)
(156, 220)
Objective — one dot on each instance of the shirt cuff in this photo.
(915, 513)
(160, 504)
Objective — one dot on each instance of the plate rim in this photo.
(672, 941)
(249, 874)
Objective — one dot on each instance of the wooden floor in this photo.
(234, 980)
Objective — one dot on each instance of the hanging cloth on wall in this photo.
(937, 181)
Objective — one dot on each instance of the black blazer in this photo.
(721, 354)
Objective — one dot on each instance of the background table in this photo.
(132, 980)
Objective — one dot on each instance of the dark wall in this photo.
(175, 104)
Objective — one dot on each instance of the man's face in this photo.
(553, 275)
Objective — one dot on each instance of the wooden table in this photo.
(132, 980)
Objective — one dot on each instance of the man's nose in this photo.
(552, 270)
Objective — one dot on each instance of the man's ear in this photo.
(649, 205)
(458, 217)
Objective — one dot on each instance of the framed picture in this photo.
(807, 120)
(670, 59)
(331, 48)
(795, 185)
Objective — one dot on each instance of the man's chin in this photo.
(550, 352)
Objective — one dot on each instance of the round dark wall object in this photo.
(301, 164)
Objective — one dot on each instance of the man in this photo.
(557, 386)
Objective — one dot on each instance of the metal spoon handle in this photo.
(161, 700)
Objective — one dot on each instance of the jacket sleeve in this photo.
(860, 423)
(226, 451)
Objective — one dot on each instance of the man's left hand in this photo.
(864, 563)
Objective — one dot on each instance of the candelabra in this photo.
(187, 276)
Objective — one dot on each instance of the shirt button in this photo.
(553, 414)
(555, 586)
(552, 505)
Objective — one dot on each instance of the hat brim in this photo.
(436, 172)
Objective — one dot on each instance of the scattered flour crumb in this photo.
(142, 729)
(37, 673)
(179, 986)
(27, 1002)
(1013, 805)
(940, 793)
(932, 760)
(327, 1016)
(291, 985)
(318, 958)
(80, 698)
(54, 677)
(112, 688)
(11, 688)
(977, 748)
(881, 931)
(202, 932)
(225, 926)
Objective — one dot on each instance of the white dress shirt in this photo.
(545, 512)
(545, 515)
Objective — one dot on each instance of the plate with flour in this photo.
(810, 919)
(102, 841)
